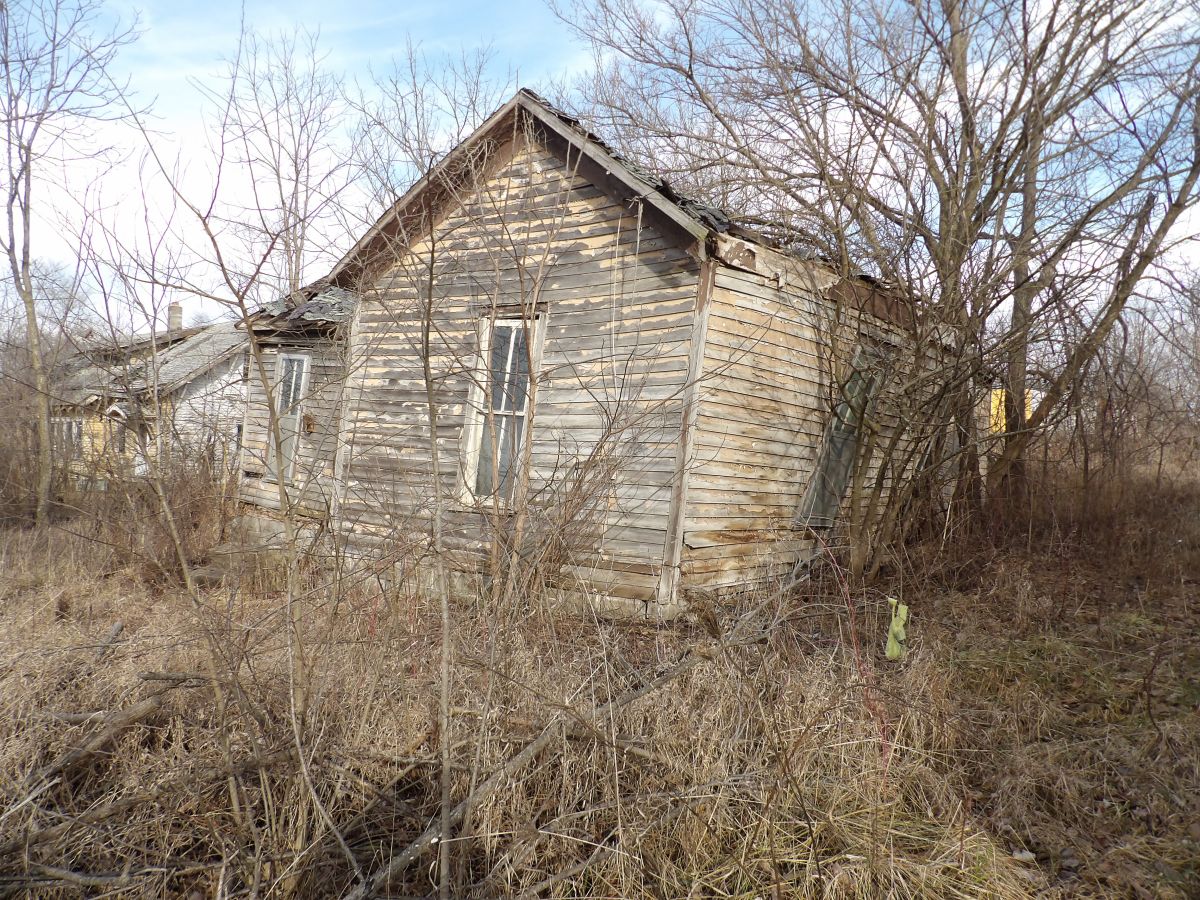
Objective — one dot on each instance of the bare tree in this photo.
(413, 117)
(1003, 166)
(283, 114)
(57, 57)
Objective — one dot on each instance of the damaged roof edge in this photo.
(703, 223)
(163, 372)
(319, 303)
(697, 219)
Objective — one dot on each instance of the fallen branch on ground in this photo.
(114, 723)
(430, 837)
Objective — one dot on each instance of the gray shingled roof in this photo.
(90, 375)
(179, 364)
(86, 380)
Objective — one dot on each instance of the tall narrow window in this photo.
(500, 428)
(289, 393)
(839, 446)
(116, 429)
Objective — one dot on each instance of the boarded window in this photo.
(839, 445)
(289, 393)
(501, 418)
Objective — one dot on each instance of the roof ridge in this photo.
(713, 217)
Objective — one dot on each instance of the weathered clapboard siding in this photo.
(683, 376)
(764, 398)
(775, 340)
(206, 413)
(615, 303)
(311, 490)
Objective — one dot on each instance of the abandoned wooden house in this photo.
(625, 389)
(120, 401)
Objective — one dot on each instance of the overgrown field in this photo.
(1041, 738)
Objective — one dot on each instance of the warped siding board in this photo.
(748, 436)
(616, 306)
(740, 531)
(763, 401)
(620, 377)
(591, 296)
(772, 417)
(802, 358)
(733, 477)
(664, 308)
(584, 427)
(588, 292)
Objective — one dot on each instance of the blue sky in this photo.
(186, 44)
(184, 39)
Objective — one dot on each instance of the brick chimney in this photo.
(175, 316)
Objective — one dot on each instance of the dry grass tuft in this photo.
(1074, 668)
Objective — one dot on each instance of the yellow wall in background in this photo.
(996, 413)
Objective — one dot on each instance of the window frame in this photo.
(296, 413)
(479, 395)
(116, 431)
(838, 451)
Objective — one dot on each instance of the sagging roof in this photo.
(111, 370)
(84, 382)
(186, 361)
(706, 225)
(697, 219)
(703, 214)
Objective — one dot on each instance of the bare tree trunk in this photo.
(41, 384)
(56, 83)
(1133, 266)
(23, 277)
(1024, 290)
(441, 587)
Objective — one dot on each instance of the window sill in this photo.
(483, 506)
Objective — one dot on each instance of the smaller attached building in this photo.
(302, 347)
(119, 402)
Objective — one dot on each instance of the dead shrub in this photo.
(185, 492)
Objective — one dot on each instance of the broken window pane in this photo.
(839, 446)
(508, 394)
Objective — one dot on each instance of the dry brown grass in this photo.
(1076, 680)
(798, 764)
